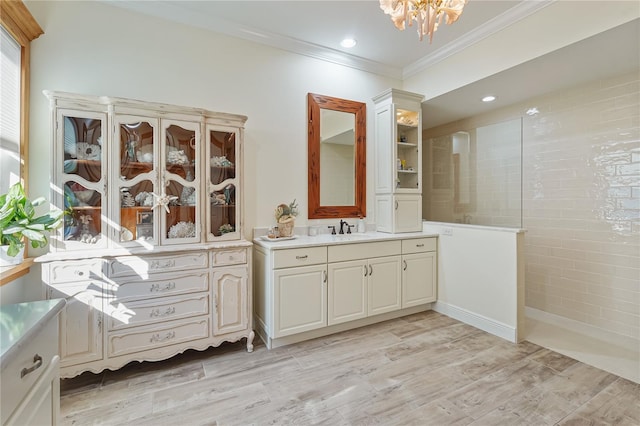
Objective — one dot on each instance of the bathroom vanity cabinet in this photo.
(151, 257)
(398, 142)
(314, 286)
(30, 381)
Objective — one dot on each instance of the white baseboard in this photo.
(626, 342)
(607, 351)
(483, 323)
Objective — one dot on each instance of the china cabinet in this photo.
(398, 141)
(151, 255)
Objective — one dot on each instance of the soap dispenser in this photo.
(362, 227)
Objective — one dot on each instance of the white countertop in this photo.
(328, 239)
(19, 322)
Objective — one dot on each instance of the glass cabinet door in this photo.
(137, 148)
(222, 211)
(408, 160)
(177, 200)
(83, 178)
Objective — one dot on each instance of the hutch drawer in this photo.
(157, 310)
(144, 338)
(224, 257)
(166, 285)
(142, 265)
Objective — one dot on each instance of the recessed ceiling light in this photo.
(348, 43)
(489, 98)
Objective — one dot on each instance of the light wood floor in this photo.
(424, 369)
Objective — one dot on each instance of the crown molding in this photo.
(181, 12)
(498, 23)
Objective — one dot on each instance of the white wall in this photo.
(93, 48)
(481, 277)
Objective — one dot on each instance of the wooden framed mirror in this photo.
(337, 131)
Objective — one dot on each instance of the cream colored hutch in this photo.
(151, 257)
(398, 142)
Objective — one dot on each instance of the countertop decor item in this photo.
(285, 215)
(18, 221)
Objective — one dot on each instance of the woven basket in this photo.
(285, 229)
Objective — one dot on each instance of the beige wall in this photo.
(581, 201)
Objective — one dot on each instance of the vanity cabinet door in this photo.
(418, 279)
(80, 322)
(347, 291)
(300, 299)
(407, 213)
(384, 285)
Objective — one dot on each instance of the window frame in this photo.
(22, 26)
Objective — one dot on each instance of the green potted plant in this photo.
(18, 222)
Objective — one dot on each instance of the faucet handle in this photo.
(349, 228)
(333, 229)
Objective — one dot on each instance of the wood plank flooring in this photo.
(423, 369)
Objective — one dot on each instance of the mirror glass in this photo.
(337, 157)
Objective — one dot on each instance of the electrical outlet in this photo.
(447, 231)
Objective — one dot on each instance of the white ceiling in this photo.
(315, 28)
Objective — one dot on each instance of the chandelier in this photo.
(427, 13)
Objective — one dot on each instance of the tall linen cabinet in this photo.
(151, 257)
(398, 142)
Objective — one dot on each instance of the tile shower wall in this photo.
(580, 199)
(581, 168)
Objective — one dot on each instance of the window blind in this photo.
(9, 111)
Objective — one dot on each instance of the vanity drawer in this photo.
(142, 265)
(299, 257)
(419, 245)
(75, 270)
(167, 285)
(23, 370)
(123, 315)
(144, 338)
(343, 252)
(230, 256)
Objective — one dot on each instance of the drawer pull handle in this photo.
(156, 287)
(419, 245)
(157, 313)
(302, 257)
(365, 271)
(370, 270)
(156, 337)
(37, 363)
(405, 265)
(156, 264)
(324, 276)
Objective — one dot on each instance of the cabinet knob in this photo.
(419, 245)
(302, 257)
(79, 272)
